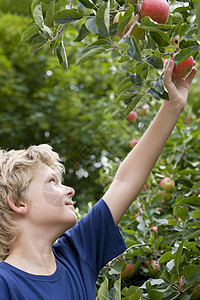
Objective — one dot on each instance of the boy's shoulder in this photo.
(4, 270)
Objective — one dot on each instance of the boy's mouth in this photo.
(68, 203)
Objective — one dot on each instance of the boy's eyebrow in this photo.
(55, 175)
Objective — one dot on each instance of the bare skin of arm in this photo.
(136, 167)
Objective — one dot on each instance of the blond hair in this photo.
(17, 168)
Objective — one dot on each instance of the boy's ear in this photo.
(20, 208)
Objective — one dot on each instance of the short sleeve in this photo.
(4, 292)
(95, 238)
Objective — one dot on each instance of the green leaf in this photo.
(158, 85)
(136, 79)
(196, 214)
(161, 38)
(38, 15)
(47, 32)
(157, 95)
(190, 201)
(103, 19)
(184, 27)
(82, 33)
(155, 61)
(89, 52)
(178, 256)
(34, 4)
(49, 21)
(133, 51)
(67, 16)
(61, 54)
(192, 233)
(191, 273)
(133, 293)
(186, 53)
(153, 293)
(37, 44)
(124, 19)
(117, 286)
(181, 212)
(90, 24)
(87, 3)
(124, 85)
(122, 46)
(103, 290)
(135, 99)
(29, 32)
(148, 24)
(197, 13)
(167, 256)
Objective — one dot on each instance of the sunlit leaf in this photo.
(67, 16)
(103, 19)
(61, 54)
(29, 32)
(89, 52)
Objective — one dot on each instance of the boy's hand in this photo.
(177, 87)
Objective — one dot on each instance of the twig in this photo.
(130, 29)
(131, 247)
(182, 292)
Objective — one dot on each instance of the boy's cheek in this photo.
(51, 197)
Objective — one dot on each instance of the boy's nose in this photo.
(70, 192)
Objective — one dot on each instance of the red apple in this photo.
(184, 68)
(132, 116)
(157, 10)
(167, 184)
(128, 271)
(133, 143)
(153, 268)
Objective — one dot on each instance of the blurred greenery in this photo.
(75, 113)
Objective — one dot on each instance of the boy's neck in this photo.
(33, 259)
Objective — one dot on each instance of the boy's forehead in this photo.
(44, 171)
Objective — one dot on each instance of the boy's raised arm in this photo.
(136, 167)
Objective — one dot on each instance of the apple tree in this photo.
(139, 36)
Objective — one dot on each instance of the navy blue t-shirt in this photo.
(80, 254)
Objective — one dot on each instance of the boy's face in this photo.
(50, 202)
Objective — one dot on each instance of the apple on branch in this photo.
(184, 68)
(128, 271)
(153, 267)
(157, 10)
(132, 116)
(167, 184)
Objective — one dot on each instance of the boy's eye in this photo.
(52, 179)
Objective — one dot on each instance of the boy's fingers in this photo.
(191, 76)
(168, 73)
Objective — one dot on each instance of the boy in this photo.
(36, 209)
